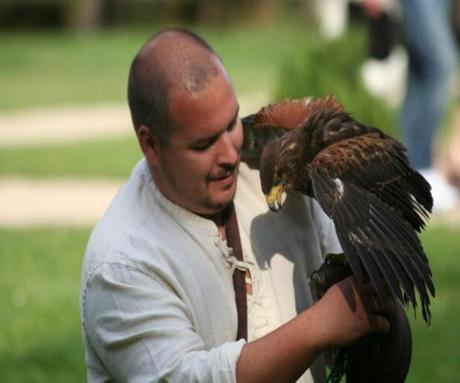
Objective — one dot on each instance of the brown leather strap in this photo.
(239, 283)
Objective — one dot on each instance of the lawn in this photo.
(46, 68)
(40, 267)
(39, 287)
(39, 315)
(436, 353)
(280, 60)
(101, 158)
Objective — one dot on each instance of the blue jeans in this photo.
(432, 61)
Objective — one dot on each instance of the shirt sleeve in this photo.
(325, 228)
(143, 332)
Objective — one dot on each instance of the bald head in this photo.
(172, 61)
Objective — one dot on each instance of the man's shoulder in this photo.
(128, 242)
(124, 222)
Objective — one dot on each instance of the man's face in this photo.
(198, 169)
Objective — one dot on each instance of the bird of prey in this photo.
(362, 180)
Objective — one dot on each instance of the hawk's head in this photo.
(278, 164)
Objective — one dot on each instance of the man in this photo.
(157, 297)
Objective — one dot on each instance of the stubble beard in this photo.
(199, 201)
(218, 206)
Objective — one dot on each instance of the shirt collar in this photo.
(184, 217)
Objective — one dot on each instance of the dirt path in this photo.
(56, 126)
(84, 123)
(27, 202)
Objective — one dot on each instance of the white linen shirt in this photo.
(157, 299)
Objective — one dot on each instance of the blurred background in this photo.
(67, 144)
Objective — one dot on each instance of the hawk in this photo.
(362, 180)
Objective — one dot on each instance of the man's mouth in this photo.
(224, 179)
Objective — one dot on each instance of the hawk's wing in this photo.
(360, 184)
(378, 163)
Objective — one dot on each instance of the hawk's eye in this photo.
(277, 179)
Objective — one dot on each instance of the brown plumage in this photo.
(361, 179)
(269, 123)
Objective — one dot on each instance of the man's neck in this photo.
(219, 220)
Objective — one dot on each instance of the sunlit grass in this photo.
(40, 268)
(104, 158)
(49, 68)
(39, 287)
(436, 352)
(39, 315)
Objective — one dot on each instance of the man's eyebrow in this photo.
(235, 117)
(214, 136)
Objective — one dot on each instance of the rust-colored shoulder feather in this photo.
(289, 114)
(286, 115)
(273, 120)
(329, 103)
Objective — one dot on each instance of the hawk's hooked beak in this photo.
(276, 197)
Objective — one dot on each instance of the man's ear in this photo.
(149, 144)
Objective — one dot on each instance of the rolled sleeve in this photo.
(143, 332)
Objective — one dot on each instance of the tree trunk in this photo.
(84, 15)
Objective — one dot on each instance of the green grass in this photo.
(104, 158)
(49, 68)
(40, 267)
(39, 315)
(39, 286)
(436, 352)
(320, 68)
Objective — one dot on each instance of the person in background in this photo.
(432, 59)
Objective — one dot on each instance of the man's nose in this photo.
(228, 153)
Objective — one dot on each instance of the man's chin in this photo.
(219, 203)
(211, 210)
(218, 206)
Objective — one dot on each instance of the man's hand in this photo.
(350, 310)
(346, 312)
